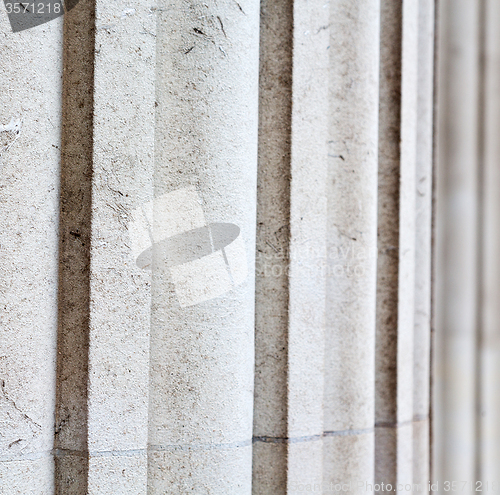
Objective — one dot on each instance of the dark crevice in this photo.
(71, 424)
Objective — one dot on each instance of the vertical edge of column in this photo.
(123, 156)
(203, 292)
(308, 213)
(407, 238)
(423, 246)
(273, 249)
(30, 130)
(352, 244)
(456, 238)
(396, 248)
(489, 352)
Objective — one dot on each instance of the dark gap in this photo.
(433, 356)
(389, 156)
(273, 236)
(71, 423)
(480, 266)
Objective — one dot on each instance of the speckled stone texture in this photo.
(202, 355)
(30, 102)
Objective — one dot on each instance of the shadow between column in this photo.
(270, 442)
(71, 422)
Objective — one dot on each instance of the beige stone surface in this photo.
(123, 153)
(351, 239)
(308, 217)
(202, 355)
(30, 106)
(396, 241)
(423, 244)
(489, 339)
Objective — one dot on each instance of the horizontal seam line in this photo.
(312, 438)
(396, 424)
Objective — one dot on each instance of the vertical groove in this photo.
(480, 289)
(71, 461)
(433, 244)
(388, 238)
(396, 248)
(273, 247)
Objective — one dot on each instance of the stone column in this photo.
(203, 230)
(30, 135)
(120, 301)
(352, 243)
(308, 222)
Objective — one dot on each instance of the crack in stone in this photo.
(12, 402)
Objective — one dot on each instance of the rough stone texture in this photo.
(269, 470)
(308, 215)
(457, 241)
(396, 242)
(352, 239)
(347, 461)
(30, 105)
(123, 155)
(202, 356)
(152, 391)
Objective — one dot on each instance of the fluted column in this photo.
(30, 130)
(123, 153)
(352, 243)
(202, 328)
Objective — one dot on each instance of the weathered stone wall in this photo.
(231, 236)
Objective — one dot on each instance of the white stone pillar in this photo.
(202, 329)
(30, 102)
(123, 154)
(396, 242)
(352, 243)
(423, 245)
(308, 222)
(457, 241)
